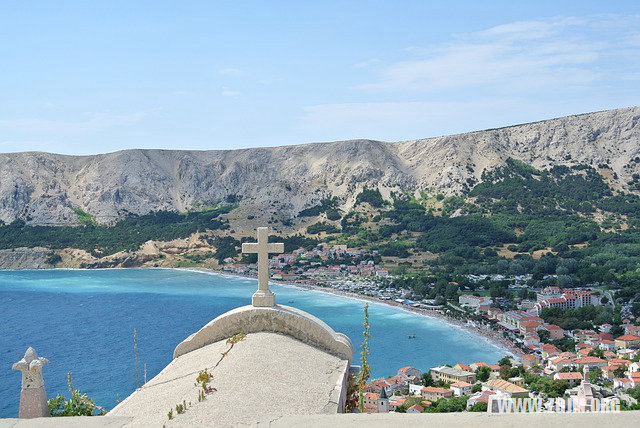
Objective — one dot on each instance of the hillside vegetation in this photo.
(565, 226)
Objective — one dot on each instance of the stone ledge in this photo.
(278, 319)
(448, 420)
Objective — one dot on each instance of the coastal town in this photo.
(544, 360)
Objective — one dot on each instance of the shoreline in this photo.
(490, 336)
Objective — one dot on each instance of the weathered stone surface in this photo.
(33, 398)
(383, 420)
(279, 319)
(281, 181)
(265, 375)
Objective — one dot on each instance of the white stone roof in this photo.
(264, 376)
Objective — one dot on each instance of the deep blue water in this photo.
(83, 322)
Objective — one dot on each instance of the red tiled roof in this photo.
(417, 407)
(552, 327)
(619, 361)
(436, 389)
(589, 360)
(460, 384)
(529, 324)
(550, 349)
(628, 337)
(569, 376)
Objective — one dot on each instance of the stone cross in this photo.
(33, 398)
(263, 297)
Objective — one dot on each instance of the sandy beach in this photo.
(493, 337)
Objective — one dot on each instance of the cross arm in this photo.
(276, 247)
(249, 247)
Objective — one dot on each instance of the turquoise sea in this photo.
(83, 321)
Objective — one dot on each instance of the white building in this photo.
(472, 301)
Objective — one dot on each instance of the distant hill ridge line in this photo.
(41, 188)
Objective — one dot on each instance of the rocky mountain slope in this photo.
(42, 188)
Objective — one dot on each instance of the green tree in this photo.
(505, 371)
(543, 335)
(483, 373)
(595, 374)
(426, 378)
(596, 352)
(478, 407)
(505, 361)
(619, 372)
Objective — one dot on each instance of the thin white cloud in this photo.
(233, 72)
(95, 121)
(226, 92)
(368, 63)
(371, 118)
(551, 53)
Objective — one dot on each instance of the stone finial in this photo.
(33, 398)
(263, 297)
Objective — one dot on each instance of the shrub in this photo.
(370, 196)
(77, 405)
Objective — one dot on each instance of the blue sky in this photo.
(92, 77)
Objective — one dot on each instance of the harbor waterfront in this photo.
(83, 321)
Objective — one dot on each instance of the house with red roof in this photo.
(461, 366)
(416, 408)
(605, 336)
(409, 373)
(461, 388)
(479, 397)
(590, 362)
(632, 329)
(433, 393)
(555, 332)
(583, 352)
(376, 385)
(572, 378)
(549, 350)
(627, 341)
(483, 309)
(529, 360)
(622, 382)
(608, 372)
(475, 366)
(394, 403)
(495, 368)
(559, 362)
(371, 398)
(528, 326)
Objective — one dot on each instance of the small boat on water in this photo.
(412, 336)
(290, 301)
